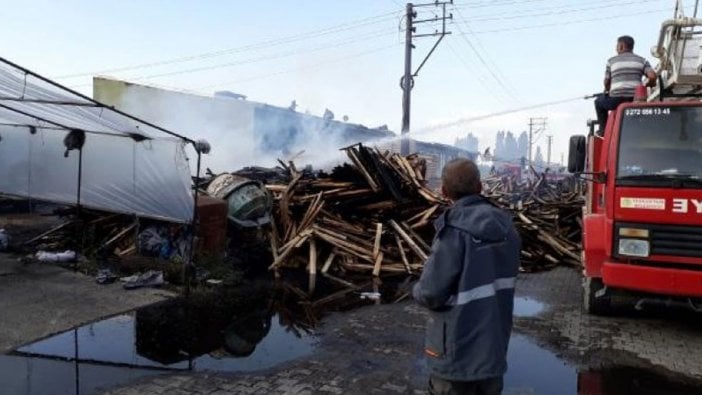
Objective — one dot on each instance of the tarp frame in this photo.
(71, 98)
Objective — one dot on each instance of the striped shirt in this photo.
(625, 71)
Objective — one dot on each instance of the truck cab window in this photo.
(660, 143)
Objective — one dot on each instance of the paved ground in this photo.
(37, 300)
(378, 349)
(660, 338)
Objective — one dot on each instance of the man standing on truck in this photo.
(622, 75)
(468, 286)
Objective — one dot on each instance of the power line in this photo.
(488, 4)
(534, 122)
(285, 71)
(555, 11)
(466, 120)
(570, 22)
(494, 69)
(500, 96)
(378, 33)
(255, 46)
(547, 10)
(407, 80)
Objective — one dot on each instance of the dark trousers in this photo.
(604, 104)
(439, 386)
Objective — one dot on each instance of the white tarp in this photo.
(148, 178)
(127, 166)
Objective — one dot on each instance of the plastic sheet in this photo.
(148, 178)
(128, 166)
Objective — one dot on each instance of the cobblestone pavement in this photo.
(378, 349)
(661, 338)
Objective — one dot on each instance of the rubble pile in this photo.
(93, 233)
(547, 215)
(369, 216)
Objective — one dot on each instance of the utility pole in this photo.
(548, 154)
(407, 80)
(536, 125)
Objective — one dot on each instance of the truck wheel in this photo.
(592, 304)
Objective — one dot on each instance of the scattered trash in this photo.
(128, 279)
(547, 213)
(151, 278)
(166, 242)
(4, 240)
(105, 276)
(153, 243)
(370, 295)
(66, 256)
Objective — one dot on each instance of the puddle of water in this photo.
(535, 370)
(527, 307)
(233, 334)
(29, 376)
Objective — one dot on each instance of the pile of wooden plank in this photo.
(547, 215)
(94, 233)
(371, 216)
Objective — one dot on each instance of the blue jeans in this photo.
(604, 104)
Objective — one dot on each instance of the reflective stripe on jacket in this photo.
(468, 284)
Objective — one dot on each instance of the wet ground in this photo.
(252, 343)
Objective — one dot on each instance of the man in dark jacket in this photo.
(468, 286)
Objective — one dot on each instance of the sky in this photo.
(348, 55)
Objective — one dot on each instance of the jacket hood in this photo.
(475, 215)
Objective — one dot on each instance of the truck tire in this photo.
(595, 305)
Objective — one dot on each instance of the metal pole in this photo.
(91, 100)
(80, 180)
(407, 81)
(531, 135)
(548, 154)
(188, 268)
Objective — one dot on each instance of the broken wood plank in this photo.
(417, 250)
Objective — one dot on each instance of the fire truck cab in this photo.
(642, 220)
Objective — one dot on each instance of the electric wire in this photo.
(466, 120)
(492, 69)
(559, 12)
(380, 18)
(499, 96)
(571, 22)
(488, 4)
(276, 56)
(294, 52)
(290, 70)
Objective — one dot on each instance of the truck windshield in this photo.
(661, 145)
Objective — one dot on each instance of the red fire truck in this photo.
(642, 222)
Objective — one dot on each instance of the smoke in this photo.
(244, 133)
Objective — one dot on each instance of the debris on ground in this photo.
(105, 276)
(547, 215)
(151, 278)
(369, 217)
(65, 256)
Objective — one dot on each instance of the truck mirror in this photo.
(576, 154)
